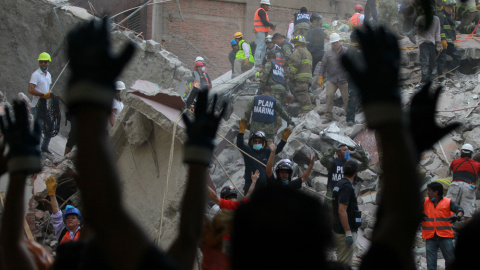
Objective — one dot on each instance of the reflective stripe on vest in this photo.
(257, 22)
(67, 237)
(302, 17)
(264, 109)
(278, 73)
(437, 219)
(241, 54)
(355, 19)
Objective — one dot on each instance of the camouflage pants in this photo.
(301, 29)
(279, 92)
(269, 129)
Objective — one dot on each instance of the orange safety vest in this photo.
(437, 220)
(68, 238)
(257, 22)
(355, 19)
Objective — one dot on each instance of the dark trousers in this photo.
(352, 101)
(317, 56)
(371, 10)
(442, 59)
(428, 53)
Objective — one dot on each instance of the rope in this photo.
(234, 145)
(464, 109)
(59, 75)
(469, 36)
(238, 190)
(170, 160)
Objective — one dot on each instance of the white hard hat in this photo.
(467, 148)
(334, 37)
(265, 2)
(199, 58)
(119, 85)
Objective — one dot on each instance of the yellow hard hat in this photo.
(44, 57)
(238, 35)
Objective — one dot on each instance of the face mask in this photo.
(203, 69)
(44, 70)
(257, 147)
(432, 199)
(347, 155)
(285, 182)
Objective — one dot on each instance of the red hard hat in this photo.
(199, 64)
(358, 7)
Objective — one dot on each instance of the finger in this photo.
(352, 69)
(186, 120)
(20, 112)
(202, 100)
(223, 110)
(214, 103)
(8, 118)
(36, 129)
(436, 96)
(2, 125)
(421, 97)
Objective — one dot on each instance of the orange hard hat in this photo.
(358, 7)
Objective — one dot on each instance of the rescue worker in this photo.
(437, 225)
(316, 40)
(291, 27)
(228, 195)
(332, 66)
(388, 16)
(467, 13)
(200, 77)
(346, 216)
(266, 113)
(448, 36)
(67, 227)
(232, 55)
(262, 26)
(335, 165)
(371, 11)
(357, 18)
(273, 77)
(430, 43)
(302, 22)
(354, 52)
(286, 46)
(275, 49)
(462, 189)
(244, 58)
(300, 74)
(39, 87)
(117, 105)
(258, 149)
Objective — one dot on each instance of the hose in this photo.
(50, 116)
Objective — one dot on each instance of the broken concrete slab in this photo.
(367, 140)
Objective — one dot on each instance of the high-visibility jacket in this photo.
(257, 22)
(355, 19)
(437, 219)
(241, 53)
(67, 237)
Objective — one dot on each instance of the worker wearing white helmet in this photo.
(117, 105)
(465, 172)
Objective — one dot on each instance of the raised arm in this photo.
(255, 177)
(213, 195)
(52, 188)
(307, 172)
(23, 159)
(273, 149)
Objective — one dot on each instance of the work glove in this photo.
(439, 46)
(359, 149)
(444, 44)
(320, 81)
(202, 130)
(242, 125)
(454, 218)
(23, 143)
(246, 62)
(377, 80)
(349, 240)
(422, 118)
(457, 46)
(46, 95)
(286, 133)
(51, 185)
(257, 74)
(94, 68)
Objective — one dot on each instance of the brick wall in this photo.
(207, 31)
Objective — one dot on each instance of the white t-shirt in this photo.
(117, 105)
(291, 26)
(42, 83)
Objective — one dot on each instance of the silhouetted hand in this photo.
(23, 142)
(424, 128)
(91, 60)
(202, 130)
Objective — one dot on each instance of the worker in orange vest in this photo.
(357, 19)
(67, 227)
(262, 26)
(437, 225)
